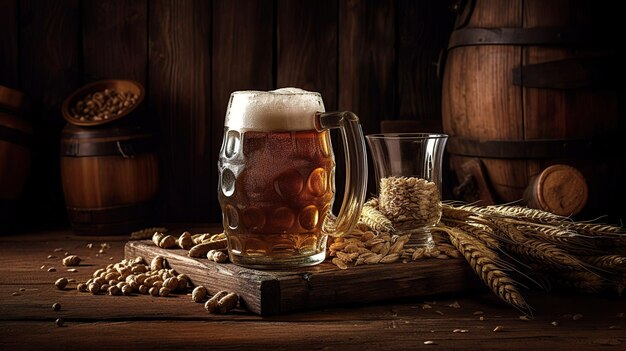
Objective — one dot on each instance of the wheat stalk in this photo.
(585, 282)
(374, 219)
(607, 262)
(484, 262)
(477, 230)
(564, 238)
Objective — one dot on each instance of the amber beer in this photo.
(276, 177)
(280, 195)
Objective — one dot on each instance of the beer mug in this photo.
(277, 177)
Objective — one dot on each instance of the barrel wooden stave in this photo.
(480, 100)
(108, 192)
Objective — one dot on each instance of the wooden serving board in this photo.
(273, 292)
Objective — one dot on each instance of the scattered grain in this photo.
(61, 283)
(71, 260)
(339, 263)
(455, 304)
(198, 294)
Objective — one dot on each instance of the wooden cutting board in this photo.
(273, 292)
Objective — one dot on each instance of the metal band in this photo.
(106, 215)
(16, 136)
(569, 74)
(125, 148)
(519, 36)
(520, 149)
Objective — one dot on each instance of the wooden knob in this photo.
(560, 189)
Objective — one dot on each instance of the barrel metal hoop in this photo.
(113, 214)
(574, 73)
(125, 148)
(15, 136)
(520, 149)
(520, 36)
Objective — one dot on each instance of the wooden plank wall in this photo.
(376, 58)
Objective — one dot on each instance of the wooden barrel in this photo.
(16, 152)
(529, 84)
(110, 178)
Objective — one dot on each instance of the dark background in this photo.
(376, 58)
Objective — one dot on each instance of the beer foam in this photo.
(275, 110)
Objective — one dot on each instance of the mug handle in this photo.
(356, 168)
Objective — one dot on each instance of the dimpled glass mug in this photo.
(277, 177)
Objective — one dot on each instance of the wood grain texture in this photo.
(49, 72)
(307, 47)
(423, 31)
(482, 102)
(242, 59)
(180, 95)
(270, 292)
(142, 322)
(367, 60)
(367, 63)
(479, 100)
(372, 57)
(9, 70)
(115, 39)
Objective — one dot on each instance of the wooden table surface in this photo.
(27, 320)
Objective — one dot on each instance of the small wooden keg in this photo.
(560, 189)
(110, 178)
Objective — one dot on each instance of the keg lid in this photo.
(561, 189)
(102, 102)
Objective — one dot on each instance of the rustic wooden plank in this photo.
(272, 292)
(307, 47)
(27, 321)
(423, 31)
(179, 95)
(367, 60)
(367, 64)
(115, 39)
(242, 59)
(8, 44)
(49, 71)
(345, 335)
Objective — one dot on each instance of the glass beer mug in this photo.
(277, 177)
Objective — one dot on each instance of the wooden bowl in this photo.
(120, 85)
